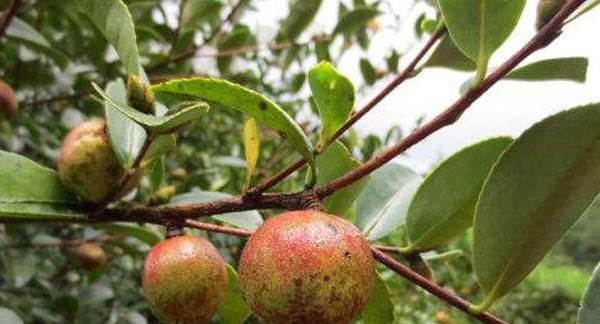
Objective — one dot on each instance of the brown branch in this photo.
(8, 16)
(217, 228)
(45, 101)
(432, 288)
(453, 113)
(401, 77)
(192, 51)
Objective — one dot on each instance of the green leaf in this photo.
(233, 308)
(392, 61)
(479, 27)
(332, 163)
(114, 21)
(162, 145)
(536, 191)
(249, 220)
(32, 211)
(334, 96)
(252, 103)
(126, 136)
(251, 149)
(24, 181)
(7, 316)
(139, 232)
(355, 20)
(586, 8)
(443, 205)
(368, 71)
(382, 206)
(157, 125)
(196, 13)
(301, 14)
(566, 68)
(380, 309)
(589, 313)
(19, 30)
(447, 55)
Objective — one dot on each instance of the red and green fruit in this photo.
(87, 163)
(90, 256)
(184, 280)
(307, 267)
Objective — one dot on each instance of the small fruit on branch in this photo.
(90, 256)
(184, 280)
(88, 165)
(307, 267)
(9, 105)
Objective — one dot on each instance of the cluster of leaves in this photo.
(520, 196)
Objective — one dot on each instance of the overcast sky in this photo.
(508, 109)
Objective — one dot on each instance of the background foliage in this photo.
(52, 54)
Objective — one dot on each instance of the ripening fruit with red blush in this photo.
(307, 267)
(88, 165)
(184, 280)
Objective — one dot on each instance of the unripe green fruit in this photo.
(307, 267)
(546, 9)
(90, 256)
(184, 280)
(9, 105)
(87, 163)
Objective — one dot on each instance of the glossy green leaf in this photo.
(368, 71)
(252, 103)
(34, 211)
(447, 55)
(589, 313)
(233, 308)
(479, 27)
(566, 68)
(443, 205)
(7, 316)
(126, 136)
(114, 21)
(355, 19)
(249, 220)
(332, 163)
(24, 181)
(537, 190)
(383, 204)
(142, 233)
(301, 14)
(20, 31)
(157, 124)
(251, 149)
(334, 96)
(162, 145)
(380, 308)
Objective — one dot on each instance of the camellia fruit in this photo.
(9, 105)
(307, 267)
(184, 280)
(87, 163)
(90, 256)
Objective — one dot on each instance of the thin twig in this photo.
(217, 228)
(453, 113)
(432, 288)
(192, 51)
(8, 16)
(401, 77)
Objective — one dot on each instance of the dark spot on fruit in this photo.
(297, 282)
(347, 254)
(326, 278)
(262, 105)
(333, 228)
